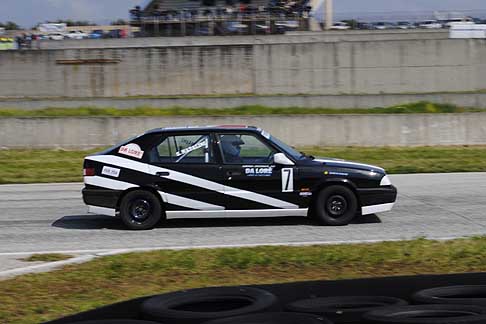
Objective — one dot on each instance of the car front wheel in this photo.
(335, 205)
(140, 210)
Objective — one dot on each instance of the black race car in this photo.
(227, 171)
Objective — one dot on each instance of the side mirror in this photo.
(280, 158)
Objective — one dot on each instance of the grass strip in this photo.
(41, 166)
(411, 108)
(36, 298)
(48, 257)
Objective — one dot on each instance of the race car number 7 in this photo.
(288, 180)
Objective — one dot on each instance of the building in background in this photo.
(219, 17)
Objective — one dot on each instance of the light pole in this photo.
(329, 14)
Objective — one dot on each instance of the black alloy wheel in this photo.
(335, 205)
(140, 210)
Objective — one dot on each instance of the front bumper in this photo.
(377, 200)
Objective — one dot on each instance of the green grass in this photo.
(413, 159)
(413, 108)
(48, 257)
(32, 166)
(40, 297)
(38, 166)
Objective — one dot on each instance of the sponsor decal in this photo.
(194, 147)
(112, 172)
(132, 150)
(258, 171)
(305, 194)
(343, 174)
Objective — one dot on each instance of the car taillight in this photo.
(88, 172)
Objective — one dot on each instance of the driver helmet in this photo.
(231, 145)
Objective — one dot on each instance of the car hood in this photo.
(338, 163)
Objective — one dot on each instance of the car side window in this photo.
(244, 149)
(183, 149)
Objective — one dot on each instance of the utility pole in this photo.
(326, 10)
(329, 14)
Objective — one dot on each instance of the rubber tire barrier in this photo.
(153, 219)
(320, 213)
(427, 314)
(463, 295)
(116, 321)
(200, 305)
(272, 318)
(343, 309)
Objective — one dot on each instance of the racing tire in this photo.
(344, 309)
(463, 295)
(199, 305)
(272, 318)
(335, 205)
(116, 321)
(427, 314)
(140, 210)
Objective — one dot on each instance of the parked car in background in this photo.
(96, 34)
(463, 20)
(382, 25)
(340, 26)
(430, 24)
(76, 34)
(451, 23)
(262, 29)
(116, 33)
(286, 25)
(235, 27)
(406, 25)
(56, 36)
(365, 25)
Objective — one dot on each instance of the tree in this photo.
(10, 25)
(352, 23)
(119, 22)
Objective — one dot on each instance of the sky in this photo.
(28, 13)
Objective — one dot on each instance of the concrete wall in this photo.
(267, 67)
(311, 130)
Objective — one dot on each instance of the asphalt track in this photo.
(51, 217)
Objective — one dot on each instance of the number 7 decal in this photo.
(288, 180)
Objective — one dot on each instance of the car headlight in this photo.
(385, 181)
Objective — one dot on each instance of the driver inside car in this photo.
(231, 145)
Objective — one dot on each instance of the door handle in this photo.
(233, 173)
(162, 174)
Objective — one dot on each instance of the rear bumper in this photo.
(377, 200)
(98, 197)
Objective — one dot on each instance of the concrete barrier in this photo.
(302, 130)
(221, 67)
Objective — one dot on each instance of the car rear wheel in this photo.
(140, 210)
(336, 205)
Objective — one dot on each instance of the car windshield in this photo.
(286, 148)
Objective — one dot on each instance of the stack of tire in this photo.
(247, 305)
